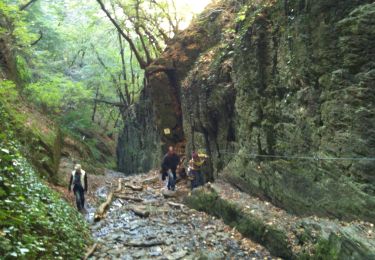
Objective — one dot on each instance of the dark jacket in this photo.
(170, 162)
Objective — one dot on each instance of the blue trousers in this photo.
(172, 177)
(80, 196)
(198, 179)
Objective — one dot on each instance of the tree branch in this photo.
(114, 80)
(158, 68)
(23, 7)
(124, 69)
(115, 104)
(37, 40)
(141, 61)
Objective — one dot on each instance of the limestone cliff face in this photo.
(138, 147)
(280, 79)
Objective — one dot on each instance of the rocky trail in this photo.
(146, 221)
(152, 223)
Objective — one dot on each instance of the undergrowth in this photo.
(35, 223)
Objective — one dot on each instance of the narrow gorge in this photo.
(277, 95)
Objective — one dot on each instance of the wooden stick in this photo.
(100, 212)
(90, 251)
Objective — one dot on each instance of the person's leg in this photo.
(163, 176)
(194, 180)
(83, 198)
(169, 186)
(200, 178)
(172, 180)
(77, 194)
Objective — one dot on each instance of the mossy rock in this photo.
(273, 239)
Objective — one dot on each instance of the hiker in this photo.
(78, 182)
(169, 167)
(195, 165)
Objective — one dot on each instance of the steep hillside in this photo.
(279, 94)
(36, 223)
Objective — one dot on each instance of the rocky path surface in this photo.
(156, 227)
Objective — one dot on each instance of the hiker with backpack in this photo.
(169, 167)
(78, 183)
(195, 170)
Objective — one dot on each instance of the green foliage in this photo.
(58, 93)
(14, 27)
(8, 91)
(35, 223)
(23, 71)
(326, 250)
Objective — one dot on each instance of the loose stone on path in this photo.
(157, 226)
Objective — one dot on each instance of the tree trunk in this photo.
(95, 104)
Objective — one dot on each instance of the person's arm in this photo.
(191, 163)
(70, 182)
(85, 182)
(164, 162)
(176, 161)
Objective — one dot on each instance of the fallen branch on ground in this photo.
(144, 243)
(140, 212)
(151, 180)
(90, 251)
(100, 212)
(176, 205)
(119, 185)
(133, 187)
(125, 197)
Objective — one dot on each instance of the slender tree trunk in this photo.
(122, 53)
(95, 104)
(114, 80)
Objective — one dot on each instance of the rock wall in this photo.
(305, 88)
(160, 106)
(264, 87)
(138, 148)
